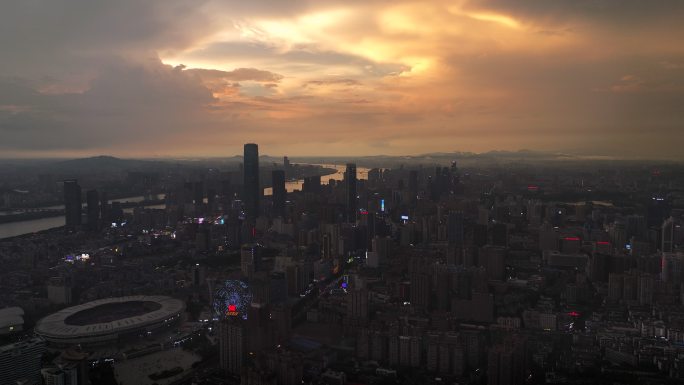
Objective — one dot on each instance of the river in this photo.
(290, 186)
(13, 229)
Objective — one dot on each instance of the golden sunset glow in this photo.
(364, 77)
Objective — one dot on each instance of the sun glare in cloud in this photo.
(453, 63)
(310, 28)
(499, 19)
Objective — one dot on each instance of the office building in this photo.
(357, 304)
(20, 362)
(667, 235)
(93, 209)
(252, 192)
(279, 192)
(351, 197)
(72, 203)
(249, 259)
(232, 345)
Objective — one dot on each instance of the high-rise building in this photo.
(72, 203)
(259, 332)
(350, 183)
(667, 237)
(252, 193)
(199, 274)
(93, 210)
(104, 208)
(21, 361)
(279, 192)
(232, 344)
(357, 304)
(249, 259)
(420, 290)
(672, 268)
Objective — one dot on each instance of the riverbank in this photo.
(32, 215)
(28, 216)
(12, 229)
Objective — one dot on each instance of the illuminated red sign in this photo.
(571, 238)
(232, 310)
(603, 243)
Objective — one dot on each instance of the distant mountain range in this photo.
(110, 164)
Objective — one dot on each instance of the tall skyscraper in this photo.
(279, 192)
(232, 344)
(249, 259)
(286, 163)
(72, 203)
(350, 183)
(667, 235)
(93, 201)
(104, 208)
(252, 194)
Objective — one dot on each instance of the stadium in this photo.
(110, 320)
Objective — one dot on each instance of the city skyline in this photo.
(472, 270)
(168, 79)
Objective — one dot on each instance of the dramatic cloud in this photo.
(172, 77)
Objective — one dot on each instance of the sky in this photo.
(156, 78)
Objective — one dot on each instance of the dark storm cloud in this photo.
(127, 102)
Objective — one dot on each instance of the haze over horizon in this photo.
(308, 78)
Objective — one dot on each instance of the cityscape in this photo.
(409, 192)
(510, 269)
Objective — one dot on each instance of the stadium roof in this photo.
(55, 326)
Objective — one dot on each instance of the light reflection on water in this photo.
(290, 186)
